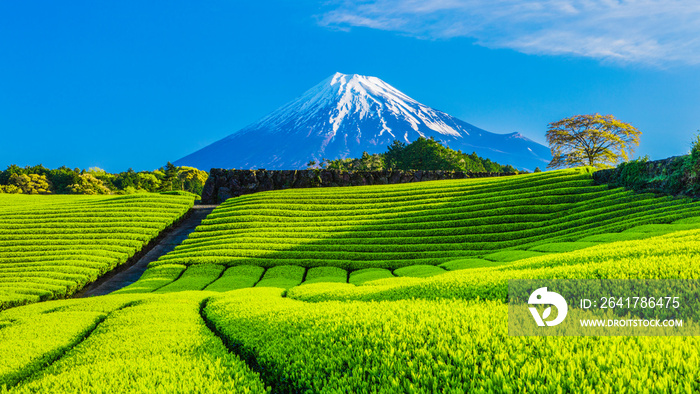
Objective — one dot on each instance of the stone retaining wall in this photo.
(223, 184)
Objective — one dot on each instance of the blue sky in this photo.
(136, 84)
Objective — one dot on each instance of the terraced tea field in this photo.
(372, 289)
(360, 234)
(52, 246)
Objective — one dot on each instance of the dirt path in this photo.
(174, 237)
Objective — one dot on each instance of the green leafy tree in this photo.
(11, 170)
(594, 140)
(510, 169)
(88, 184)
(148, 181)
(104, 176)
(31, 184)
(192, 179)
(170, 180)
(422, 154)
(63, 177)
(10, 189)
(39, 179)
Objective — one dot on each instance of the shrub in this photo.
(633, 173)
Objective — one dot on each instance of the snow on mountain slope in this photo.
(345, 115)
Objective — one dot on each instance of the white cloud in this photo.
(657, 32)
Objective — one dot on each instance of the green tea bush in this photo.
(671, 256)
(196, 277)
(437, 346)
(53, 246)
(282, 276)
(326, 274)
(368, 274)
(396, 226)
(154, 278)
(419, 271)
(460, 264)
(506, 256)
(237, 277)
(154, 344)
(560, 247)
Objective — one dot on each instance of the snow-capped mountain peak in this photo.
(344, 115)
(351, 95)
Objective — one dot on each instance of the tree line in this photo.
(41, 180)
(421, 154)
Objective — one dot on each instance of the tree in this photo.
(421, 154)
(170, 180)
(88, 184)
(594, 140)
(148, 181)
(192, 179)
(31, 184)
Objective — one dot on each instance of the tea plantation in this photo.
(52, 246)
(392, 289)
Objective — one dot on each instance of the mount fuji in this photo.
(345, 115)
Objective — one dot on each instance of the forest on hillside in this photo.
(422, 154)
(41, 180)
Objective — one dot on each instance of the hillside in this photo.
(52, 246)
(431, 223)
(397, 288)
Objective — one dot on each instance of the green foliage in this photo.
(326, 274)
(42, 333)
(430, 223)
(88, 184)
(153, 279)
(633, 173)
(41, 180)
(445, 345)
(560, 247)
(461, 264)
(369, 274)
(10, 189)
(670, 256)
(537, 169)
(510, 255)
(52, 246)
(691, 168)
(421, 154)
(196, 277)
(367, 162)
(614, 237)
(31, 184)
(419, 271)
(441, 333)
(282, 276)
(192, 179)
(237, 277)
(149, 345)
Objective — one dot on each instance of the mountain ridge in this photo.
(347, 114)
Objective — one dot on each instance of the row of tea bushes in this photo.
(52, 246)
